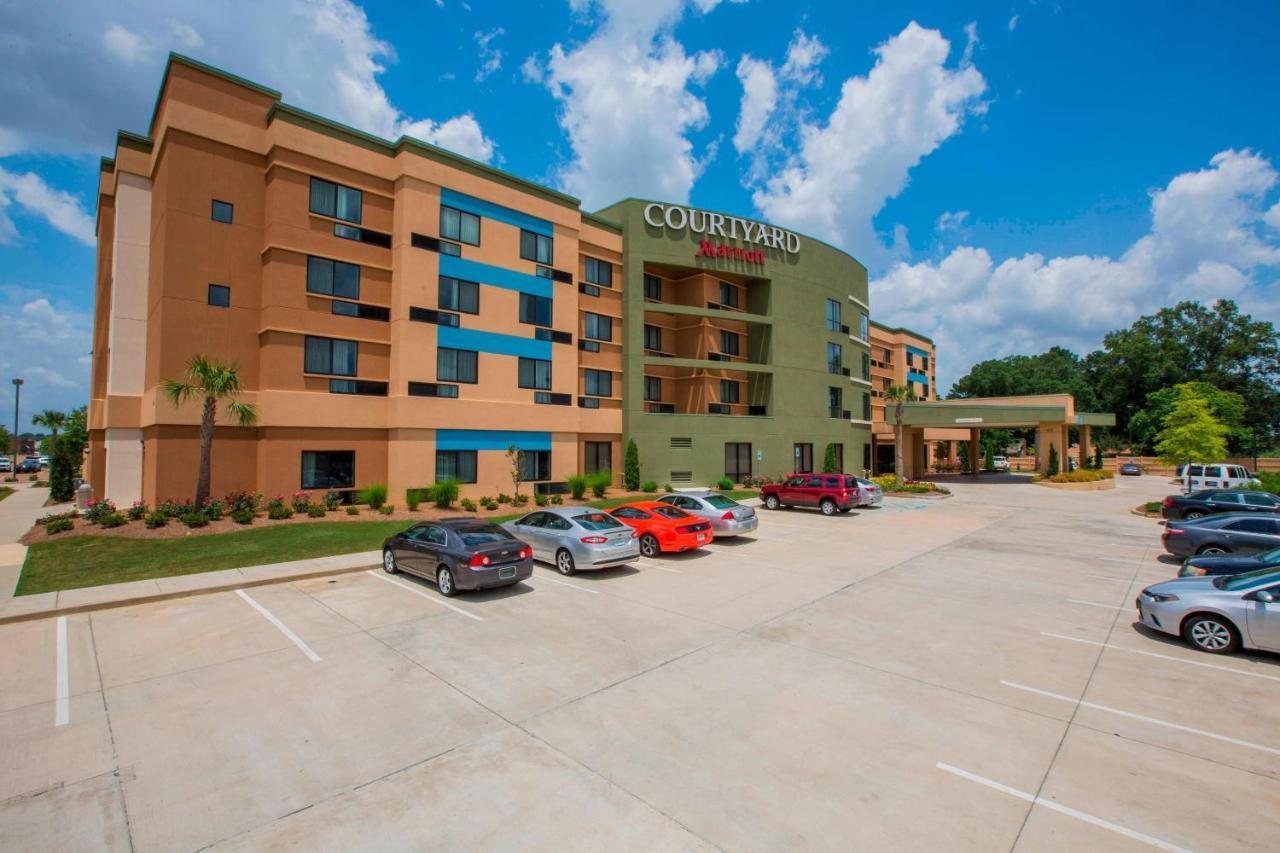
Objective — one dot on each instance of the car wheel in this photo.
(1212, 550)
(389, 562)
(564, 562)
(828, 507)
(1193, 514)
(649, 545)
(1211, 634)
(445, 583)
(771, 502)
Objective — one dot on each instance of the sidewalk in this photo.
(46, 604)
(17, 513)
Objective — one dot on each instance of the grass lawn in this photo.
(5, 491)
(93, 560)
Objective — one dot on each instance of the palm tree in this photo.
(211, 382)
(53, 420)
(899, 395)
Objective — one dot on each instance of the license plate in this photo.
(508, 572)
(701, 538)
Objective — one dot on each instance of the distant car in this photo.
(30, 465)
(6, 464)
(662, 527)
(576, 538)
(1199, 566)
(726, 516)
(869, 494)
(1000, 463)
(1217, 614)
(1131, 469)
(459, 554)
(1230, 533)
(44, 461)
(830, 493)
(1211, 501)
(1196, 476)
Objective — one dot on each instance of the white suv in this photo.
(1197, 476)
(1000, 463)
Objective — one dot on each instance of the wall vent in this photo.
(681, 442)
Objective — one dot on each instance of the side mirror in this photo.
(1263, 596)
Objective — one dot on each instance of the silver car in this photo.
(869, 494)
(576, 538)
(727, 516)
(1219, 613)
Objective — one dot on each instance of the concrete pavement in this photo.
(17, 513)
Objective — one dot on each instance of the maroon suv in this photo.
(829, 492)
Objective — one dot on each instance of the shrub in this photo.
(504, 498)
(491, 505)
(332, 498)
(468, 505)
(97, 510)
(34, 478)
(413, 497)
(631, 467)
(277, 504)
(667, 488)
(195, 519)
(137, 511)
(1082, 475)
(557, 500)
(445, 493)
(600, 483)
(829, 464)
(316, 511)
(724, 484)
(156, 519)
(175, 509)
(58, 525)
(519, 500)
(1053, 461)
(62, 472)
(353, 510)
(242, 516)
(540, 499)
(279, 511)
(387, 509)
(1270, 481)
(300, 501)
(214, 509)
(113, 519)
(649, 486)
(375, 495)
(1152, 506)
(242, 501)
(57, 516)
(578, 484)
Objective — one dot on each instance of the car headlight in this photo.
(1161, 596)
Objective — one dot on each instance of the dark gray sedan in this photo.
(1229, 533)
(1200, 566)
(459, 553)
(727, 516)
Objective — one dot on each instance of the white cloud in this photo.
(490, 56)
(1272, 217)
(76, 76)
(759, 97)
(1013, 22)
(970, 43)
(60, 209)
(838, 173)
(803, 55)
(952, 220)
(461, 134)
(1204, 244)
(626, 102)
(770, 106)
(531, 69)
(48, 346)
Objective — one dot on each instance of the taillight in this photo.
(1174, 531)
(479, 560)
(594, 540)
(526, 553)
(1168, 501)
(728, 516)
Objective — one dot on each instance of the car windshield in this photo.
(597, 521)
(720, 502)
(670, 512)
(1247, 579)
(483, 534)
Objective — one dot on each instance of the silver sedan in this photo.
(576, 538)
(727, 516)
(869, 494)
(1219, 613)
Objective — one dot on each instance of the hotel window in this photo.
(360, 309)
(599, 272)
(333, 278)
(866, 407)
(535, 310)
(535, 465)
(652, 287)
(223, 211)
(728, 343)
(328, 469)
(652, 338)
(598, 327)
(652, 389)
(458, 295)
(863, 329)
(737, 460)
(598, 383)
(728, 294)
(924, 363)
(459, 225)
(835, 359)
(457, 465)
(331, 356)
(597, 456)
(729, 391)
(866, 366)
(535, 247)
(456, 365)
(835, 401)
(804, 458)
(833, 315)
(219, 296)
(535, 373)
(329, 199)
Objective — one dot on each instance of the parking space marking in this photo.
(62, 705)
(650, 564)
(1132, 716)
(432, 598)
(1109, 578)
(1163, 657)
(566, 583)
(1096, 604)
(280, 626)
(1061, 809)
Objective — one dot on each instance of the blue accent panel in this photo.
(480, 207)
(491, 439)
(917, 351)
(492, 342)
(912, 376)
(495, 276)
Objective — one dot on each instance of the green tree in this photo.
(1227, 406)
(65, 461)
(515, 457)
(54, 421)
(631, 467)
(1191, 432)
(1053, 460)
(211, 382)
(829, 464)
(899, 395)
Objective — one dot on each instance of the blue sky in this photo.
(1014, 175)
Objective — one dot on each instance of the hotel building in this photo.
(402, 315)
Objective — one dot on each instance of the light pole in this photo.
(17, 395)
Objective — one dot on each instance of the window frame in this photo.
(588, 373)
(337, 205)
(835, 366)
(728, 288)
(222, 289)
(214, 208)
(591, 455)
(306, 349)
(833, 323)
(459, 287)
(463, 215)
(607, 280)
(725, 385)
(726, 336)
(537, 242)
(657, 333)
(537, 366)
(316, 261)
(650, 278)
(735, 472)
(302, 479)
(535, 302)
(457, 365)
(459, 470)
(657, 383)
(599, 319)
(539, 466)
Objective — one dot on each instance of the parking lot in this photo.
(957, 674)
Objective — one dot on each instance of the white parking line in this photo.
(1162, 657)
(1109, 578)
(1144, 719)
(1061, 809)
(434, 599)
(283, 628)
(1095, 604)
(62, 706)
(651, 564)
(566, 583)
